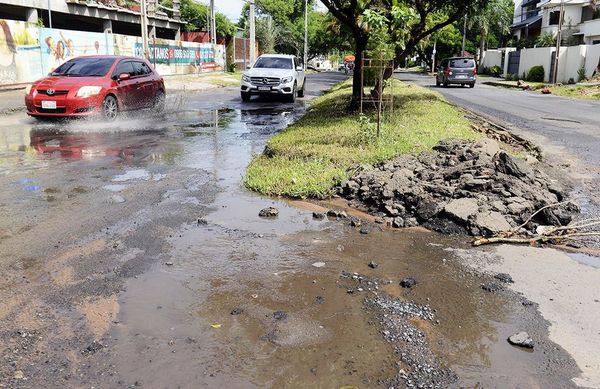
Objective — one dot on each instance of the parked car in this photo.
(96, 85)
(458, 70)
(279, 75)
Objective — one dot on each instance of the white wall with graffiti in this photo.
(28, 52)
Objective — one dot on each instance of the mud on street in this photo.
(132, 256)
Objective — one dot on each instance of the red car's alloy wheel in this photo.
(110, 108)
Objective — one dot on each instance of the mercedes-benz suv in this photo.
(279, 75)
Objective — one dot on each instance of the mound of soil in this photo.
(459, 187)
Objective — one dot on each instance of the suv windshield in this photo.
(274, 63)
(84, 67)
(462, 63)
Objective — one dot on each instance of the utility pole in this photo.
(305, 35)
(252, 34)
(213, 23)
(464, 42)
(558, 39)
(144, 15)
(50, 13)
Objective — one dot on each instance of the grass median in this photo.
(312, 156)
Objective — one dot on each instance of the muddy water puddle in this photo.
(234, 300)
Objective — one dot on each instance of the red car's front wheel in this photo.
(110, 108)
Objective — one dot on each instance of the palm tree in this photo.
(496, 16)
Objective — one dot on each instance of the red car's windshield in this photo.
(85, 67)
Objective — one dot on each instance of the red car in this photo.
(96, 85)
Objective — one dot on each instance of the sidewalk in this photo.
(12, 101)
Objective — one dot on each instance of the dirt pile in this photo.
(459, 187)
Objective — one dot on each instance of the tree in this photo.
(280, 27)
(195, 16)
(403, 24)
(496, 17)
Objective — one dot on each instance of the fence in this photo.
(28, 52)
(571, 61)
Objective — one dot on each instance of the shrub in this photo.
(495, 71)
(536, 74)
(484, 70)
(581, 74)
(546, 40)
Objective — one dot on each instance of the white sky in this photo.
(233, 8)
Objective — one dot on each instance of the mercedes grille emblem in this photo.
(50, 92)
(265, 81)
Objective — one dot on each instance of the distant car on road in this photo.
(458, 71)
(275, 75)
(96, 85)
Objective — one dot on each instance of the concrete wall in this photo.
(592, 60)
(491, 58)
(30, 52)
(534, 57)
(571, 59)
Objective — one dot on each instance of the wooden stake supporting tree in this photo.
(379, 66)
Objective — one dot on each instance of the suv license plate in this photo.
(49, 104)
(461, 76)
(265, 88)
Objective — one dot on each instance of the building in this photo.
(581, 22)
(527, 21)
(113, 16)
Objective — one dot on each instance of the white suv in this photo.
(274, 75)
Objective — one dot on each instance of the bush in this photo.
(581, 74)
(484, 70)
(495, 71)
(546, 40)
(536, 74)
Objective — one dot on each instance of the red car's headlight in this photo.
(86, 91)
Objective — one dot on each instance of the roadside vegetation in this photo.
(578, 91)
(312, 156)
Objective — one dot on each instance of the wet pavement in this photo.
(131, 255)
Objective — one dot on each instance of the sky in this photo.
(232, 8)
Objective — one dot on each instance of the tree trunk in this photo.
(357, 89)
(481, 47)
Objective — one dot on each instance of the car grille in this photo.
(56, 93)
(260, 81)
(45, 110)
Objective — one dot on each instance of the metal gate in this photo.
(514, 58)
(552, 63)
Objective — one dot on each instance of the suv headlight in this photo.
(246, 78)
(86, 91)
(285, 80)
(28, 89)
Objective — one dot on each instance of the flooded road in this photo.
(132, 256)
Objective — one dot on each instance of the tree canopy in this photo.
(280, 28)
(195, 15)
(395, 26)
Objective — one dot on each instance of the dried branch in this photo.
(516, 229)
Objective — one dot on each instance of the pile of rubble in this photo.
(459, 187)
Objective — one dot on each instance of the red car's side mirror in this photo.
(124, 76)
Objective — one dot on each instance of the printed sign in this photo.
(59, 46)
